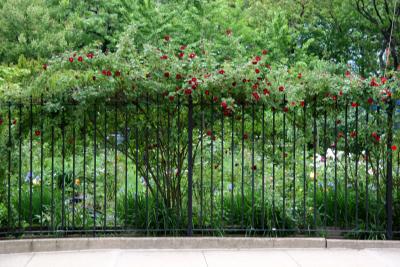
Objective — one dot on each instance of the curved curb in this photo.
(70, 244)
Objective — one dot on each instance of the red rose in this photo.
(117, 73)
(256, 96)
(373, 83)
(354, 104)
(166, 74)
(224, 105)
(348, 74)
(171, 98)
(281, 88)
(104, 72)
(183, 47)
(353, 134)
(221, 72)
(266, 92)
(257, 71)
(192, 55)
(90, 55)
(258, 58)
(163, 57)
(207, 92)
(370, 101)
(299, 75)
(302, 103)
(285, 109)
(215, 98)
(80, 59)
(188, 91)
(209, 133)
(383, 80)
(109, 73)
(394, 147)
(178, 76)
(45, 66)
(71, 59)
(37, 133)
(167, 38)
(245, 136)
(264, 52)
(181, 54)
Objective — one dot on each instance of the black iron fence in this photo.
(177, 166)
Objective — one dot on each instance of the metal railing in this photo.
(182, 167)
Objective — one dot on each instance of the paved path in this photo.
(204, 258)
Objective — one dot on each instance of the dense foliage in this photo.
(86, 65)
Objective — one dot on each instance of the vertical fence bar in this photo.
(222, 170)
(212, 163)
(356, 167)
(190, 167)
(389, 172)
(9, 212)
(94, 168)
(73, 175)
(377, 211)
(52, 176)
(232, 165)
(116, 135)
(335, 168)
(126, 164)
(20, 169)
(315, 162)
(178, 174)
(273, 168)
(325, 171)
(158, 184)
(366, 173)
(346, 156)
(30, 161)
(84, 171)
(253, 166)
(105, 169)
(263, 168)
(201, 161)
(41, 159)
(294, 164)
(284, 166)
(147, 180)
(242, 182)
(304, 163)
(137, 157)
(63, 171)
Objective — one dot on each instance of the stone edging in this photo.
(67, 244)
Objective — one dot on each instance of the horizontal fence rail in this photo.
(184, 166)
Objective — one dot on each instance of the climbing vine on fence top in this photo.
(170, 69)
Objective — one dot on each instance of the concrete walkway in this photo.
(319, 257)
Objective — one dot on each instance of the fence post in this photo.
(389, 173)
(190, 167)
